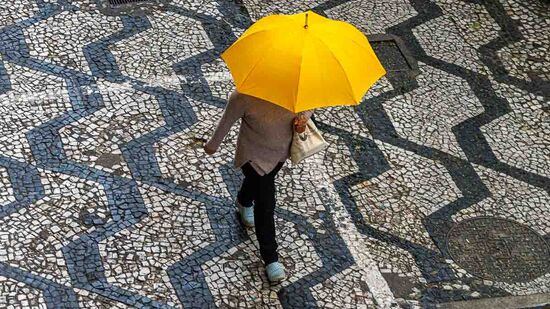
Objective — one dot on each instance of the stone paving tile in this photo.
(520, 138)
(429, 113)
(20, 10)
(6, 195)
(344, 290)
(107, 200)
(245, 284)
(93, 301)
(373, 16)
(35, 97)
(472, 21)
(96, 139)
(171, 39)
(207, 7)
(50, 41)
(441, 38)
(33, 237)
(15, 294)
(396, 201)
(528, 58)
(137, 260)
(180, 155)
(510, 199)
(388, 257)
(258, 9)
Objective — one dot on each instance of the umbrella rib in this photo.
(254, 33)
(299, 73)
(366, 48)
(256, 65)
(250, 35)
(340, 64)
(343, 33)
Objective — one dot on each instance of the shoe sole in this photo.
(276, 280)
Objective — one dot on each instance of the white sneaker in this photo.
(246, 214)
(275, 272)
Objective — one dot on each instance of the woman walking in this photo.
(299, 62)
(263, 145)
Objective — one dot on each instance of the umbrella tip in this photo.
(306, 25)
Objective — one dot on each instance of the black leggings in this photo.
(261, 191)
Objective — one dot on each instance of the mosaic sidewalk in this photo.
(434, 191)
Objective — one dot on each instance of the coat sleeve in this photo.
(233, 112)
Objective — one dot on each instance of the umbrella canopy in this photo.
(303, 61)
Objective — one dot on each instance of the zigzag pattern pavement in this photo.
(107, 201)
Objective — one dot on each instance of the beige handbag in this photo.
(306, 143)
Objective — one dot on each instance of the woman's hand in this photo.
(208, 150)
(300, 123)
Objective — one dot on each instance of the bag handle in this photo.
(304, 135)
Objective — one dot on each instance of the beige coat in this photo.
(265, 134)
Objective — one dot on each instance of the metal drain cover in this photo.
(122, 2)
(401, 67)
(393, 54)
(130, 7)
(498, 249)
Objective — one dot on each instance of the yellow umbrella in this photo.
(303, 61)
